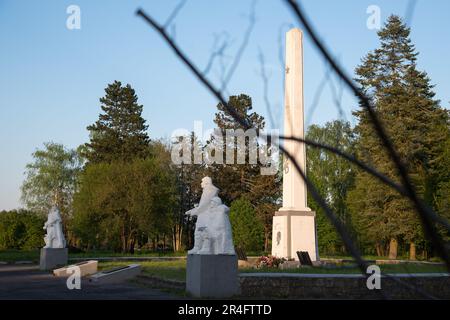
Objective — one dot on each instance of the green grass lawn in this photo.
(173, 270)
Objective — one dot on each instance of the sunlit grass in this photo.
(173, 270)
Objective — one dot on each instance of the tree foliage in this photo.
(21, 229)
(120, 131)
(51, 179)
(247, 227)
(334, 178)
(120, 201)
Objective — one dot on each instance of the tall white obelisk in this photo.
(294, 224)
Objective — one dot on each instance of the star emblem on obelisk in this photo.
(287, 70)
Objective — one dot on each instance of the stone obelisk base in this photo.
(294, 231)
(212, 276)
(52, 258)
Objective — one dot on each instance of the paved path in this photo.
(27, 282)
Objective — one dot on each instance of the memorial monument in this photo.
(212, 265)
(54, 253)
(294, 224)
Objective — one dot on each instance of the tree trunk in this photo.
(177, 229)
(393, 248)
(180, 235)
(132, 243)
(379, 249)
(425, 254)
(412, 251)
(124, 240)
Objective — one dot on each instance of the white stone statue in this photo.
(213, 229)
(54, 237)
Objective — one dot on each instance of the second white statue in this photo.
(55, 237)
(213, 229)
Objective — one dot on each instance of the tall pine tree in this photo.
(120, 131)
(404, 100)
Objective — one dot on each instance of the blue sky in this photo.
(51, 77)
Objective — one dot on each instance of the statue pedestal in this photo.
(52, 258)
(294, 231)
(212, 276)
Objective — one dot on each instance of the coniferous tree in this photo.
(120, 132)
(404, 100)
(234, 179)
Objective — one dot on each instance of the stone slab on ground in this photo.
(86, 268)
(52, 258)
(212, 276)
(116, 275)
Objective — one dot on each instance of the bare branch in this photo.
(241, 50)
(337, 97)
(217, 51)
(174, 13)
(190, 65)
(410, 11)
(317, 95)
